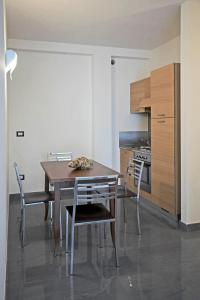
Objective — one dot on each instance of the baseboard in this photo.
(14, 197)
(189, 227)
(163, 215)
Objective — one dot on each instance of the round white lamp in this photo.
(11, 61)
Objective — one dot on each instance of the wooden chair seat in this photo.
(38, 197)
(64, 194)
(90, 213)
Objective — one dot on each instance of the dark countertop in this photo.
(134, 148)
(130, 148)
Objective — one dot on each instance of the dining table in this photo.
(59, 174)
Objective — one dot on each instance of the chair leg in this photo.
(67, 233)
(61, 237)
(51, 210)
(104, 231)
(101, 226)
(124, 211)
(46, 211)
(138, 218)
(113, 234)
(104, 225)
(76, 234)
(21, 220)
(23, 227)
(72, 251)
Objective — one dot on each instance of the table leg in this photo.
(46, 187)
(57, 214)
(113, 227)
(112, 224)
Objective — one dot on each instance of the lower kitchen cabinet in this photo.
(163, 185)
(164, 164)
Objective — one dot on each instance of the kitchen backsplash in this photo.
(134, 138)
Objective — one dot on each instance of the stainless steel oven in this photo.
(144, 154)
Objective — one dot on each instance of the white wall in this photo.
(125, 71)
(77, 76)
(3, 155)
(50, 98)
(190, 107)
(165, 54)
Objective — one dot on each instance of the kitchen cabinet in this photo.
(140, 96)
(163, 171)
(165, 138)
(163, 92)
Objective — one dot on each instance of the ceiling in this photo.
(141, 24)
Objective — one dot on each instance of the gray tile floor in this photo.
(164, 263)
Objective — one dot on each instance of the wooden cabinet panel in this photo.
(163, 163)
(163, 185)
(162, 139)
(139, 91)
(163, 92)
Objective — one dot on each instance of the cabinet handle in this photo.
(160, 115)
(163, 121)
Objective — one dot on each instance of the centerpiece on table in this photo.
(81, 163)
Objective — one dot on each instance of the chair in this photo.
(61, 156)
(29, 199)
(89, 195)
(134, 170)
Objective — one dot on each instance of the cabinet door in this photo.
(163, 92)
(139, 91)
(163, 163)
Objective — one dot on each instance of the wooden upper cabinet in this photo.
(163, 92)
(140, 95)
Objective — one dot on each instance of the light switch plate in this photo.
(20, 133)
(22, 176)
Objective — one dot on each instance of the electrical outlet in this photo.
(20, 133)
(22, 176)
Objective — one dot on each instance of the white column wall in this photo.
(102, 109)
(3, 155)
(190, 108)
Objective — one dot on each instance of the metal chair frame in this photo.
(59, 156)
(24, 204)
(135, 169)
(91, 190)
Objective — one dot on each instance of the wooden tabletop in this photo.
(58, 171)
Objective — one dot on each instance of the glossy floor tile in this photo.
(164, 263)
